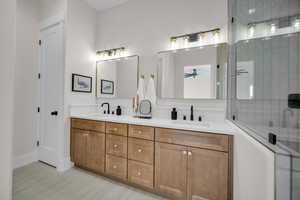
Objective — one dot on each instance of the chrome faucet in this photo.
(284, 119)
(108, 107)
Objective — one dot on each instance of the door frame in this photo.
(48, 23)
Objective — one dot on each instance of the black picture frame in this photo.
(87, 79)
(112, 86)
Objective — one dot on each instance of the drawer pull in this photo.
(139, 173)
(115, 129)
(115, 146)
(190, 153)
(140, 150)
(184, 152)
(115, 167)
(140, 132)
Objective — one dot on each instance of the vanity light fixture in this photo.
(196, 38)
(111, 53)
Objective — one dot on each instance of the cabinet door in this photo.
(96, 151)
(79, 140)
(171, 170)
(207, 175)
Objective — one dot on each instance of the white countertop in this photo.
(210, 127)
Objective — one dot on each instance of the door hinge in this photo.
(232, 20)
(38, 109)
(39, 75)
(40, 42)
(37, 143)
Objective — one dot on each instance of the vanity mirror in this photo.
(194, 73)
(117, 78)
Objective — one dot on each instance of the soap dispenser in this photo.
(119, 111)
(174, 114)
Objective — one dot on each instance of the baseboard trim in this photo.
(64, 165)
(25, 159)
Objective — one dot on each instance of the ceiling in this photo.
(101, 5)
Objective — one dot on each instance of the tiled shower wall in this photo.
(265, 34)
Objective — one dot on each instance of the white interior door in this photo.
(51, 93)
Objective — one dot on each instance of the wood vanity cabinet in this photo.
(181, 165)
(79, 147)
(87, 145)
(207, 174)
(171, 170)
(184, 170)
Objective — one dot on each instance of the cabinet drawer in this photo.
(143, 132)
(116, 129)
(88, 125)
(141, 150)
(140, 173)
(116, 166)
(193, 139)
(116, 145)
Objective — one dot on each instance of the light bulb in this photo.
(297, 24)
(216, 36)
(252, 11)
(186, 41)
(273, 28)
(201, 39)
(251, 30)
(173, 43)
(122, 52)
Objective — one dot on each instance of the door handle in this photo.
(54, 113)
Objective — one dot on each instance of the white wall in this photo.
(254, 169)
(80, 59)
(145, 27)
(26, 80)
(50, 8)
(7, 64)
(80, 48)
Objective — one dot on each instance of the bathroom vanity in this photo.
(178, 161)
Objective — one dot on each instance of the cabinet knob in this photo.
(190, 153)
(184, 152)
(115, 146)
(115, 166)
(139, 132)
(139, 173)
(140, 150)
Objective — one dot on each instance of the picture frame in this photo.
(81, 83)
(107, 87)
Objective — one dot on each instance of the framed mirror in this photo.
(117, 78)
(195, 73)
